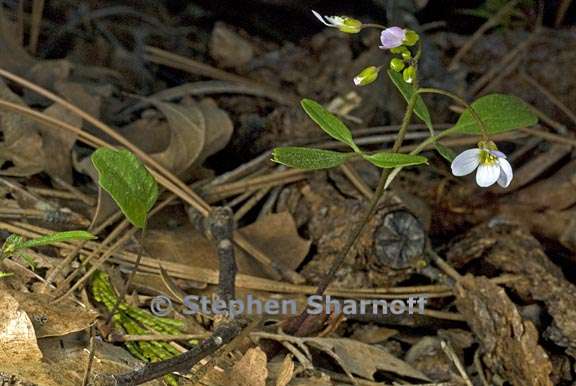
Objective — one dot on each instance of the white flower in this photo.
(491, 164)
(343, 23)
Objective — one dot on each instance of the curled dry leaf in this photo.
(197, 131)
(510, 344)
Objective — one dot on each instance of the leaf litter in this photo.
(211, 101)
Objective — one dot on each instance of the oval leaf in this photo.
(445, 152)
(56, 238)
(310, 159)
(328, 122)
(499, 113)
(391, 160)
(407, 90)
(127, 180)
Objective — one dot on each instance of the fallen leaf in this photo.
(275, 234)
(187, 136)
(51, 319)
(22, 143)
(58, 143)
(250, 369)
(365, 360)
(286, 371)
(228, 48)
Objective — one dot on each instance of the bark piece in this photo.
(510, 345)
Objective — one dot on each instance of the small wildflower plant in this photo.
(488, 115)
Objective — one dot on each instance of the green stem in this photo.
(375, 198)
(455, 97)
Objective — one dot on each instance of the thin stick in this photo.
(92, 352)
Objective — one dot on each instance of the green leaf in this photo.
(393, 160)
(307, 158)
(5, 274)
(328, 122)
(127, 180)
(55, 238)
(499, 113)
(407, 90)
(445, 152)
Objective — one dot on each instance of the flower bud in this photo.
(409, 74)
(366, 76)
(411, 38)
(350, 25)
(397, 64)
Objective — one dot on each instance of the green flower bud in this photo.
(409, 74)
(366, 76)
(397, 64)
(350, 25)
(411, 38)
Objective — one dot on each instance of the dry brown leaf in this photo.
(58, 143)
(22, 144)
(510, 344)
(250, 369)
(187, 136)
(365, 360)
(228, 48)
(51, 319)
(17, 335)
(286, 371)
(19, 61)
(276, 235)
(219, 128)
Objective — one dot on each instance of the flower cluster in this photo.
(395, 39)
(490, 163)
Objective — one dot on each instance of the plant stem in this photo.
(479, 121)
(375, 199)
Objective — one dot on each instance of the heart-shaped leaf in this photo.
(307, 158)
(407, 90)
(328, 122)
(392, 160)
(499, 113)
(127, 180)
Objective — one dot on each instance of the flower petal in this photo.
(487, 174)
(321, 18)
(466, 162)
(392, 37)
(506, 173)
(497, 153)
